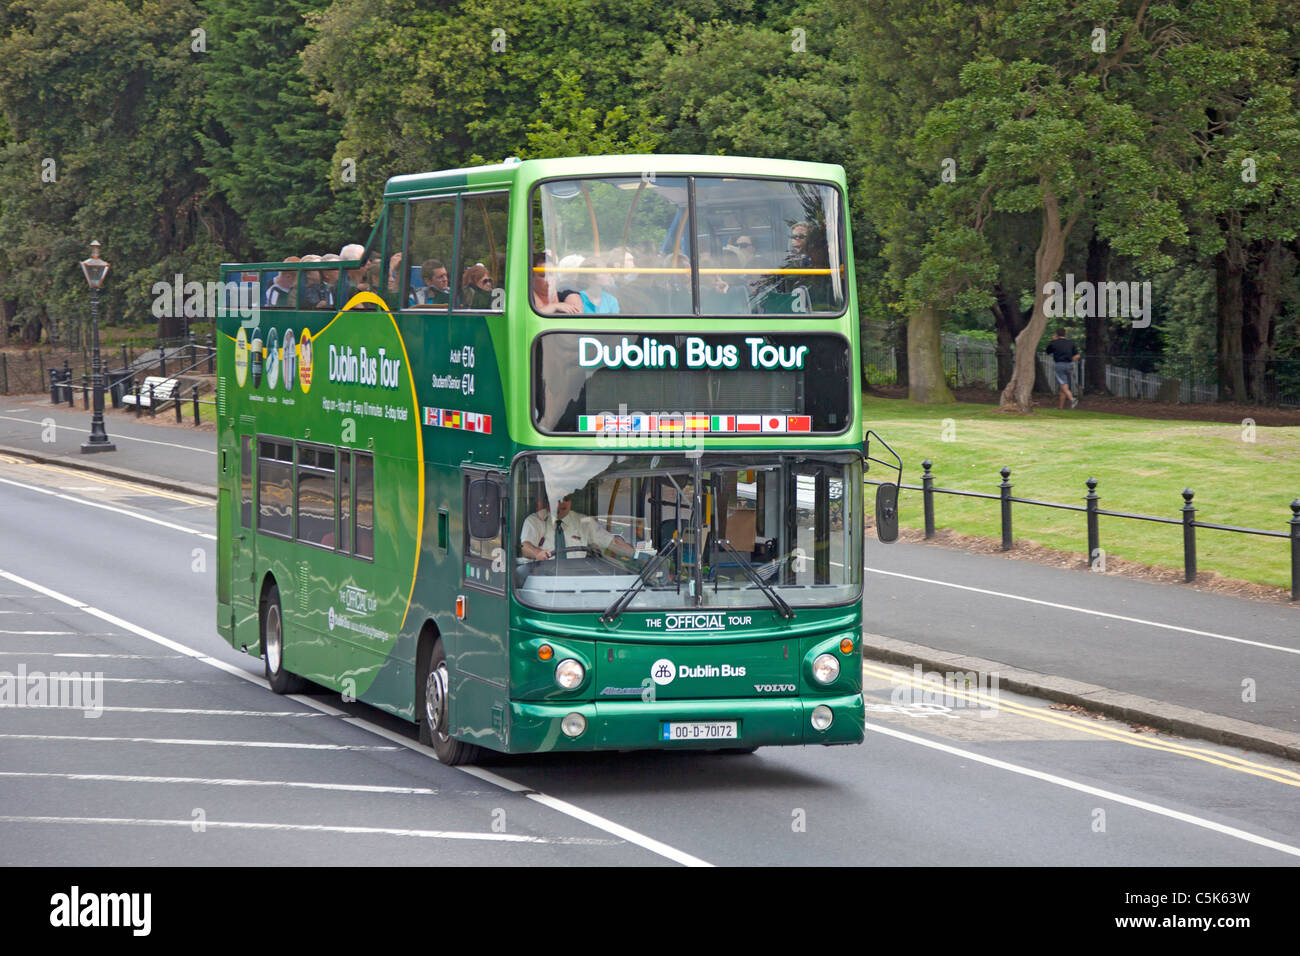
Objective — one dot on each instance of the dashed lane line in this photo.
(560, 806)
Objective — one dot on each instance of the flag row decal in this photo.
(694, 422)
(452, 418)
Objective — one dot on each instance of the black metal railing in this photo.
(1093, 511)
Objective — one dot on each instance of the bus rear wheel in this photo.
(434, 724)
(281, 681)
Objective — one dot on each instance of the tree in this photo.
(268, 148)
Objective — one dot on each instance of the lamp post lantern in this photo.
(96, 270)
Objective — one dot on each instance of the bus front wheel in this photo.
(434, 724)
(281, 681)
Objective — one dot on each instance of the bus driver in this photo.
(537, 540)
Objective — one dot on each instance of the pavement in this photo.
(1123, 648)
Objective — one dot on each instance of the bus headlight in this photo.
(569, 673)
(821, 717)
(573, 724)
(826, 668)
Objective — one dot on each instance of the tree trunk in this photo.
(1096, 327)
(1269, 260)
(1232, 379)
(898, 339)
(1047, 261)
(1008, 320)
(925, 379)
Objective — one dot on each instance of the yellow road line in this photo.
(136, 488)
(1229, 761)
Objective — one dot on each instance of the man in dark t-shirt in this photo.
(1064, 354)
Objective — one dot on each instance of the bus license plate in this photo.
(701, 730)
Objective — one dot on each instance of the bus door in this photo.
(478, 660)
(243, 541)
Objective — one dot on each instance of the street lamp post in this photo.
(95, 270)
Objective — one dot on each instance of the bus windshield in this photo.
(633, 246)
(588, 525)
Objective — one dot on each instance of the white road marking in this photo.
(1093, 791)
(220, 782)
(104, 507)
(117, 436)
(59, 676)
(81, 655)
(42, 633)
(204, 711)
(560, 806)
(1085, 610)
(312, 828)
(194, 742)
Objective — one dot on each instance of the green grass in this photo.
(1141, 465)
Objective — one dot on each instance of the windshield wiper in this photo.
(623, 600)
(778, 602)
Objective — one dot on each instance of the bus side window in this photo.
(345, 500)
(365, 507)
(480, 280)
(393, 252)
(274, 476)
(428, 259)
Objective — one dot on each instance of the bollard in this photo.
(927, 497)
(85, 393)
(195, 391)
(1094, 533)
(153, 408)
(1189, 537)
(1005, 489)
(1295, 549)
(178, 403)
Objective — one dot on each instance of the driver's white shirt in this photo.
(579, 532)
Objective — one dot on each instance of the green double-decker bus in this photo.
(569, 456)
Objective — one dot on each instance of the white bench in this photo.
(162, 390)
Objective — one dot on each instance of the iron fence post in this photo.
(4, 374)
(1295, 549)
(85, 393)
(138, 403)
(1005, 489)
(195, 391)
(1094, 531)
(927, 497)
(162, 359)
(1189, 537)
(153, 408)
(178, 403)
(212, 353)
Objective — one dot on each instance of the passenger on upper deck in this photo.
(355, 277)
(281, 293)
(437, 285)
(476, 288)
(545, 297)
(596, 297)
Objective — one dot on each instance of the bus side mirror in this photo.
(484, 508)
(887, 512)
